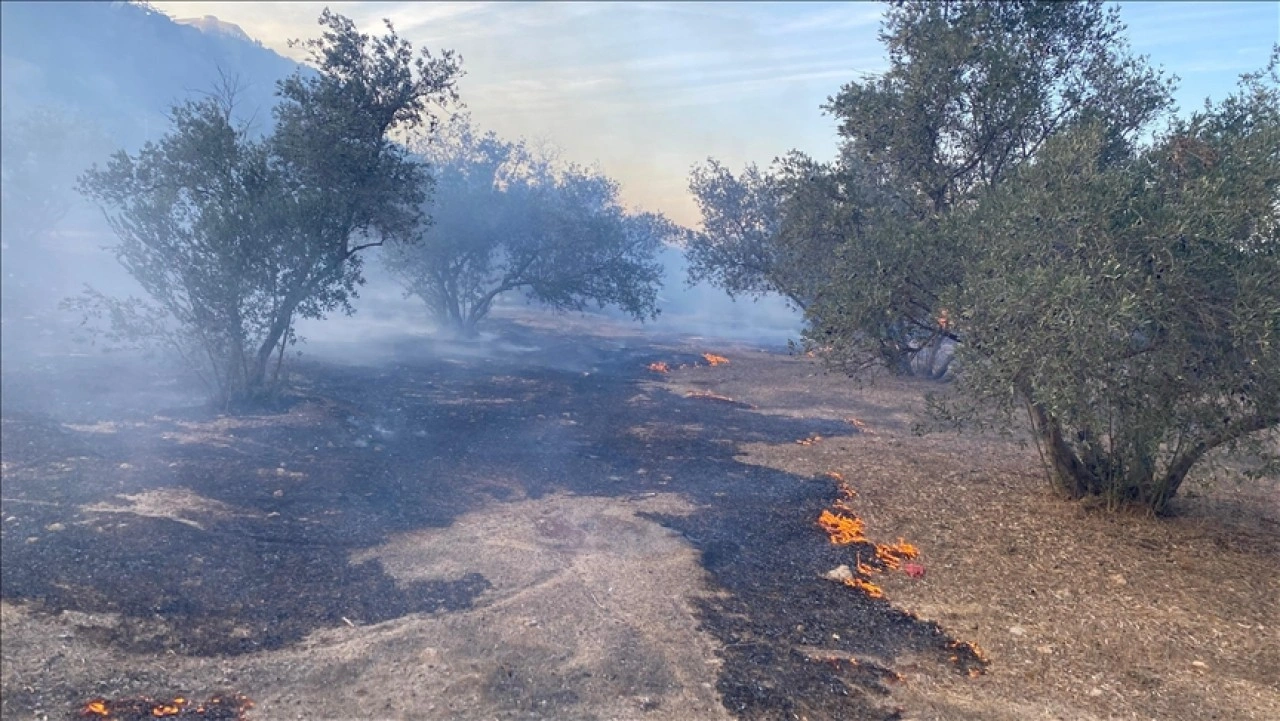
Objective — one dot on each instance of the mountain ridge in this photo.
(128, 65)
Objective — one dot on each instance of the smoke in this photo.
(386, 326)
(52, 241)
(707, 311)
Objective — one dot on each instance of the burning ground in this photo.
(554, 529)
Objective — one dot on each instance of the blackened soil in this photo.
(413, 443)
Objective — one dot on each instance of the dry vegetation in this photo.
(1084, 614)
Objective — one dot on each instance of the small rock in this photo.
(279, 493)
(839, 573)
(1118, 580)
(1017, 630)
(1200, 664)
(125, 466)
(55, 527)
(1045, 649)
(1095, 692)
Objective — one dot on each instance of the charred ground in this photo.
(368, 451)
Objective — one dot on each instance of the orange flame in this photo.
(866, 587)
(715, 360)
(904, 549)
(179, 706)
(842, 529)
(886, 556)
(659, 367)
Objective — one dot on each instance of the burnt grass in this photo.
(413, 443)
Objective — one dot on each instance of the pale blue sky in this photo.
(649, 89)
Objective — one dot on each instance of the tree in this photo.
(506, 219)
(775, 231)
(737, 249)
(233, 238)
(1131, 304)
(973, 91)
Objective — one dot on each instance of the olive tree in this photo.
(233, 238)
(764, 231)
(506, 219)
(1130, 305)
(973, 91)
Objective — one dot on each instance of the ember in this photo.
(715, 360)
(969, 657)
(862, 427)
(847, 493)
(811, 440)
(659, 367)
(217, 708)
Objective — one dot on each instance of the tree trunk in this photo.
(1066, 471)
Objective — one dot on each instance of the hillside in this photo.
(121, 66)
(82, 80)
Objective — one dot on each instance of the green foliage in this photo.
(191, 213)
(507, 219)
(771, 231)
(233, 238)
(995, 202)
(737, 249)
(1131, 305)
(973, 90)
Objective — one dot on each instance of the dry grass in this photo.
(1085, 614)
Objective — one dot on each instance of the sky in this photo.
(647, 90)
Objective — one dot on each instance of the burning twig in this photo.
(715, 360)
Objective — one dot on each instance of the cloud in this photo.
(843, 16)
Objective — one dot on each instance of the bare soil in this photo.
(545, 528)
(1084, 614)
